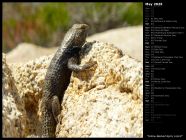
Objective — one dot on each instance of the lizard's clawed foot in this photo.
(90, 64)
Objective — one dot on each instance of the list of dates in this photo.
(163, 65)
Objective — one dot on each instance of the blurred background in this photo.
(45, 24)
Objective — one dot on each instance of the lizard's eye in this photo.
(84, 26)
(81, 26)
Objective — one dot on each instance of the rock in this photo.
(128, 39)
(14, 119)
(104, 101)
(27, 80)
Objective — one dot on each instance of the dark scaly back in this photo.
(58, 75)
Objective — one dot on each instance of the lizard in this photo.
(57, 78)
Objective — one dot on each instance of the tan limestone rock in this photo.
(104, 101)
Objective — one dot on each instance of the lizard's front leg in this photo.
(74, 66)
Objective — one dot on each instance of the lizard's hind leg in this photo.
(55, 108)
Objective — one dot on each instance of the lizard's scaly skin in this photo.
(58, 76)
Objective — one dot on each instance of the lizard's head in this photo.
(80, 31)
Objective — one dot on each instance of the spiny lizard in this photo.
(58, 76)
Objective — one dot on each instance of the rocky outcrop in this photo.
(14, 113)
(106, 100)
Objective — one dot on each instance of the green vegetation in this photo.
(45, 23)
